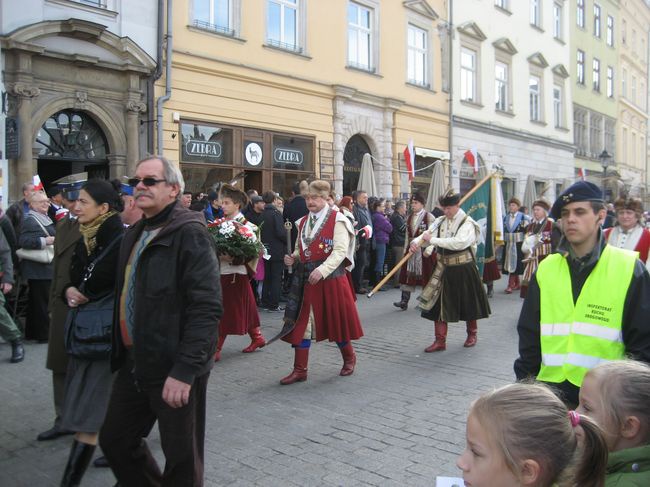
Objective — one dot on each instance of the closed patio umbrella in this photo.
(530, 193)
(367, 177)
(437, 187)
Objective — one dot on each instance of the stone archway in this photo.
(355, 148)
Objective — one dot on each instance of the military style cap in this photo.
(580, 191)
(70, 185)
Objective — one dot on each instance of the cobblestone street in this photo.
(398, 421)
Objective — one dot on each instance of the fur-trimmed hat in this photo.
(419, 197)
(236, 195)
(629, 203)
(514, 200)
(542, 203)
(450, 198)
(320, 188)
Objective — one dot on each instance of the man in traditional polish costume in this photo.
(538, 242)
(629, 232)
(514, 232)
(240, 315)
(321, 304)
(417, 270)
(455, 291)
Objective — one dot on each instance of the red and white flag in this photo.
(582, 173)
(471, 156)
(409, 159)
(38, 185)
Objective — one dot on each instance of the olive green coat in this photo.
(629, 468)
(67, 235)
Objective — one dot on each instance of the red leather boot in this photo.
(349, 360)
(517, 283)
(441, 338)
(299, 373)
(472, 330)
(217, 354)
(511, 283)
(257, 340)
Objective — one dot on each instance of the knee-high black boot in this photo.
(80, 456)
(404, 303)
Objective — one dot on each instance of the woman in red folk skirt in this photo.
(240, 314)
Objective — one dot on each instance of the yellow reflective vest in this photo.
(576, 337)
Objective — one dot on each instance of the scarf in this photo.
(89, 230)
(40, 218)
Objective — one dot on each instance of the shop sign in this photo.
(199, 148)
(287, 156)
(12, 138)
(253, 153)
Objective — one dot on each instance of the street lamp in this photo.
(605, 161)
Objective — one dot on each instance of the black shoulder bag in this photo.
(88, 327)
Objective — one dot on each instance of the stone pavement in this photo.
(398, 421)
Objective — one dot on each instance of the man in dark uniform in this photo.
(587, 303)
(514, 232)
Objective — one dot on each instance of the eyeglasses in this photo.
(133, 182)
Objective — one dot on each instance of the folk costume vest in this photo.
(316, 247)
(577, 337)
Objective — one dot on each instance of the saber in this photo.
(288, 226)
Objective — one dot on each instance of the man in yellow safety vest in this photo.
(589, 303)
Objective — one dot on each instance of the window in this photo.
(557, 20)
(610, 135)
(581, 67)
(580, 130)
(633, 90)
(596, 20)
(468, 78)
(580, 13)
(501, 87)
(535, 14)
(633, 149)
(595, 134)
(535, 98)
(282, 24)
(633, 46)
(623, 31)
(624, 83)
(214, 15)
(596, 74)
(610, 82)
(418, 45)
(501, 4)
(558, 115)
(610, 31)
(624, 145)
(360, 37)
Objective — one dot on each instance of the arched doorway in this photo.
(352, 156)
(70, 142)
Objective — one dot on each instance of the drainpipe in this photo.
(450, 22)
(155, 76)
(168, 82)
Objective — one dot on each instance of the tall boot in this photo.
(511, 283)
(490, 289)
(440, 344)
(472, 330)
(299, 373)
(80, 456)
(517, 283)
(257, 340)
(404, 303)
(349, 359)
(217, 354)
(17, 351)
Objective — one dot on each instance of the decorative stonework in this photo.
(136, 106)
(26, 90)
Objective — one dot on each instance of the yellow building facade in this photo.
(284, 90)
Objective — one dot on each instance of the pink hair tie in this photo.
(575, 418)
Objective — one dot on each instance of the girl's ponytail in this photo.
(591, 456)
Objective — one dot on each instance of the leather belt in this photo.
(461, 258)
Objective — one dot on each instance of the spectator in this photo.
(88, 381)
(296, 208)
(164, 335)
(398, 235)
(212, 209)
(279, 203)
(8, 329)
(130, 214)
(364, 236)
(186, 199)
(383, 229)
(254, 215)
(37, 232)
(56, 202)
(18, 211)
(274, 238)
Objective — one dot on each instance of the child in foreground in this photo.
(616, 395)
(523, 435)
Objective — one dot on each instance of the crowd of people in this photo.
(140, 258)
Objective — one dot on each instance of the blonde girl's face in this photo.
(482, 462)
(591, 404)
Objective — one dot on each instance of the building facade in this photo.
(280, 90)
(512, 93)
(76, 75)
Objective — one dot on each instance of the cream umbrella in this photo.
(367, 177)
(530, 193)
(437, 187)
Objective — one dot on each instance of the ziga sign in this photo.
(287, 156)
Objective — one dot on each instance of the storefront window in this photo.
(292, 153)
(206, 144)
(283, 182)
(203, 177)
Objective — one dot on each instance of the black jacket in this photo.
(274, 235)
(294, 211)
(253, 217)
(398, 236)
(636, 327)
(177, 299)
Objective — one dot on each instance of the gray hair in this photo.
(400, 204)
(171, 173)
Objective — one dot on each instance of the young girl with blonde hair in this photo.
(616, 395)
(523, 435)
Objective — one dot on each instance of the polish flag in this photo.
(409, 158)
(471, 156)
(582, 173)
(38, 184)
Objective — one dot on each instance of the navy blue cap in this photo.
(580, 191)
(70, 185)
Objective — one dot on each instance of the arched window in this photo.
(352, 157)
(73, 135)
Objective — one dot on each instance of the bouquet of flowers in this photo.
(235, 239)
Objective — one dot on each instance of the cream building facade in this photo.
(281, 90)
(77, 76)
(512, 95)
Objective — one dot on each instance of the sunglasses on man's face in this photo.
(133, 182)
